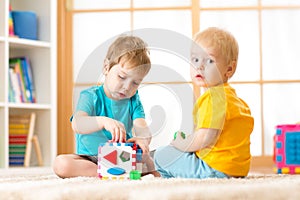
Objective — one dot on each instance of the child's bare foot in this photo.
(149, 166)
(154, 173)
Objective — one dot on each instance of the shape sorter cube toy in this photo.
(287, 149)
(117, 160)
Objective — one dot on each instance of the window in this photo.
(268, 73)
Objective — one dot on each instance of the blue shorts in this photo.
(172, 163)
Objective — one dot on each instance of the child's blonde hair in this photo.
(221, 42)
(128, 49)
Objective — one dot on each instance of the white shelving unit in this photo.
(42, 56)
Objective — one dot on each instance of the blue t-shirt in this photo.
(94, 102)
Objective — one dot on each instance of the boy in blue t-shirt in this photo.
(110, 112)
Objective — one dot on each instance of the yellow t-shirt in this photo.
(220, 108)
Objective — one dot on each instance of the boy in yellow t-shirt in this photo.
(220, 144)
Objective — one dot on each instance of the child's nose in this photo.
(201, 66)
(126, 85)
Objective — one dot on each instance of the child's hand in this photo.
(116, 128)
(178, 138)
(143, 143)
(182, 134)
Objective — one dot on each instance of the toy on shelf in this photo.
(119, 161)
(11, 23)
(21, 140)
(25, 24)
(287, 149)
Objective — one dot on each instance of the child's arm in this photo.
(202, 138)
(142, 134)
(84, 124)
(142, 137)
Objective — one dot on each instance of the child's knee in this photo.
(61, 165)
(166, 156)
(161, 152)
(159, 155)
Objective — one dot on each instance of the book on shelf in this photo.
(11, 90)
(21, 83)
(21, 138)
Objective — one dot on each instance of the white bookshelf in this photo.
(42, 56)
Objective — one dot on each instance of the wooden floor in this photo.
(263, 165)
(262, 170)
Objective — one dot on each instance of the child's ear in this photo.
(106, 66)
(231, 69)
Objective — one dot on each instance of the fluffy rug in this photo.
(41, 183)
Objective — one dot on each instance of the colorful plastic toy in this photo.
(119, 161)
(10, 23)
(287, 149)
(135, 175)
(182, 134)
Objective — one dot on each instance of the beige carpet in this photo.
(41, 183)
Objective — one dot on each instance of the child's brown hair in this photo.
(131, 50)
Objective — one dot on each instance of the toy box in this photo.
(287, 149)
(25, 24)
(119, 161)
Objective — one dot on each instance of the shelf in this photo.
(29, 106)
(42, 58)
(27, 44)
